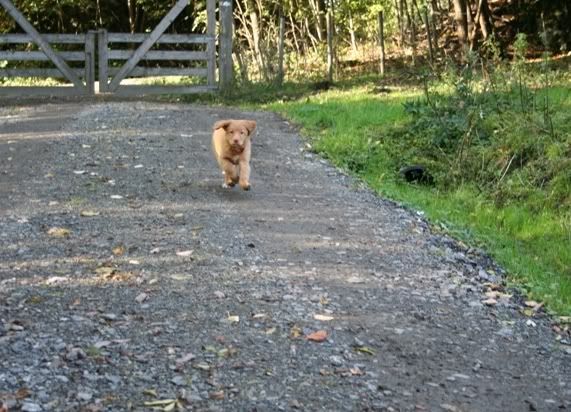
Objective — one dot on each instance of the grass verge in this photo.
(533, 245)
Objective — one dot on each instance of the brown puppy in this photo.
(232, 148)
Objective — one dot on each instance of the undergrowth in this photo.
(496, 139)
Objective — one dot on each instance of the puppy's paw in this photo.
(245, 186)
(229, 185)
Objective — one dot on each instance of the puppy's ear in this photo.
(221, 124)
(251, 126)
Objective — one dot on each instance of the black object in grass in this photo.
(416, 174)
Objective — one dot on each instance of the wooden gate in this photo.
(80, 80)
(118, 64)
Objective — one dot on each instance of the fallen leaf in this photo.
(22, 393)
(318, 336)
(323, 300)
(150, 392)
(181, 361)
(356, 371)
(202, 366)
(184, 253)
(102, 344)
(59, 232)
(104, 270)
(217, 395)
(219, 294)
(529, 312)
(164, 405)
(233, 319)
(119, 250)
(259, 316)
(88, 213)
(141, 297)
(490, 302)
(324, 318)
(269, 331)
(364, 349)
(355, 279)
(295, 332)
(493, 286)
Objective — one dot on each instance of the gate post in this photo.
(226, 72)
(103, 61)
(211, 45)
(90, 62)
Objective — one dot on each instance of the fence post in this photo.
(429, 37)
(280, 78)
(90, 62)
(382, 40)
(226, 72)
(211, 45)
(103, 61)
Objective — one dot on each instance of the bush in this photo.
(507, 134)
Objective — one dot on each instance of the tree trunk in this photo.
(280, 77)
(330, 50)
(132, 6)
(352, 34)
(485, 20)
(429, 37)
(461, 21)
(382, 41)
(400, 38)
(317, 7)
(255, 25)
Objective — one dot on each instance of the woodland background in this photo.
(452, 26)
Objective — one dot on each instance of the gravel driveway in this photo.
(130, 280)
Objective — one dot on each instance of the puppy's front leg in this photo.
(230, 172)
(245, 174)
(245, 167)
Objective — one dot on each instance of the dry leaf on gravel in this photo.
(180, 362)
(202, 366)
(364, 349)
(119, 250)
(104, 270)
(356, 371)
(184, 253)
(59, 232)
(318, 336)
(217, 395)
(490, 302)
(150, 392)
(164, 405)
(89, 213)
(141, 297)
(323, 318)
(233, 319)
(295, 332)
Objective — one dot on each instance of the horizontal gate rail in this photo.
(110, 52)
(85, 74)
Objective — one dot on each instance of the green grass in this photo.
(533, 245)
